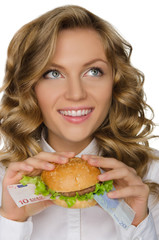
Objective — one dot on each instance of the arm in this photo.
(15, 230)
(32, 166)
(146, 230)
(130, 187)
(15, 223)
(11, 229)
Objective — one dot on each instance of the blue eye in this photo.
(95, 72)
(52, 74)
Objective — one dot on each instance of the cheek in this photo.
(105, 103)
(45, 95)
(105, 96)
(42, 99)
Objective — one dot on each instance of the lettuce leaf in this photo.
(41, 188)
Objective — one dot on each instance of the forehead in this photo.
(84, 43)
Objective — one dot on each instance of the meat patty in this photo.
(81, 192)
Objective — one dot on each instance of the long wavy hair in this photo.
(125, 132)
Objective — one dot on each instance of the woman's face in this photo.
(75, 91)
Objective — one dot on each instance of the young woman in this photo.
(70, 90)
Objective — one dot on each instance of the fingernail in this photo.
(101, 177)
(69, 153)
(85, 157)
(111, 194)
(49, 166)
(29, 168)
(92, 160)
(64, 159)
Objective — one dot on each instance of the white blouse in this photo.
(58, 223)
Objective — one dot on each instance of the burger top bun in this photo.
(75, 175)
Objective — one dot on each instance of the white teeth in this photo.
(83, 111)
(79, 113)
(75, 113)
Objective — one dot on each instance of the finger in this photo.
(124, 173)
(103, 162)
(49, 156)
(15, 172)
(40, 161)
(39, 164)
(45, 160)
(89, 156)
(56, 157)
(17, 167)
(140, 191)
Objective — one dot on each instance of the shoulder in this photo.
(153, 169)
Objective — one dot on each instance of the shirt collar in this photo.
(92, 147)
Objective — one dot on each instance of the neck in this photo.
(68, 146)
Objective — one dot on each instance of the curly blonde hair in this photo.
(125, 132)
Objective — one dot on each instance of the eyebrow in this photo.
(95, 60)
(85, 65)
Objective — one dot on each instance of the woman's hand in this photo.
(128, 184)
(32, 166)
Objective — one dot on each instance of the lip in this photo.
(76, 119)
(75, 108)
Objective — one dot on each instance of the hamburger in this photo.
(70, 185)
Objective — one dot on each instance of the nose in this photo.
(75, 89)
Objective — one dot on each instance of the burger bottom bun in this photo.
(78, 204)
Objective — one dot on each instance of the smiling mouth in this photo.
(76, 113)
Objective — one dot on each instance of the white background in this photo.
(136, 20)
